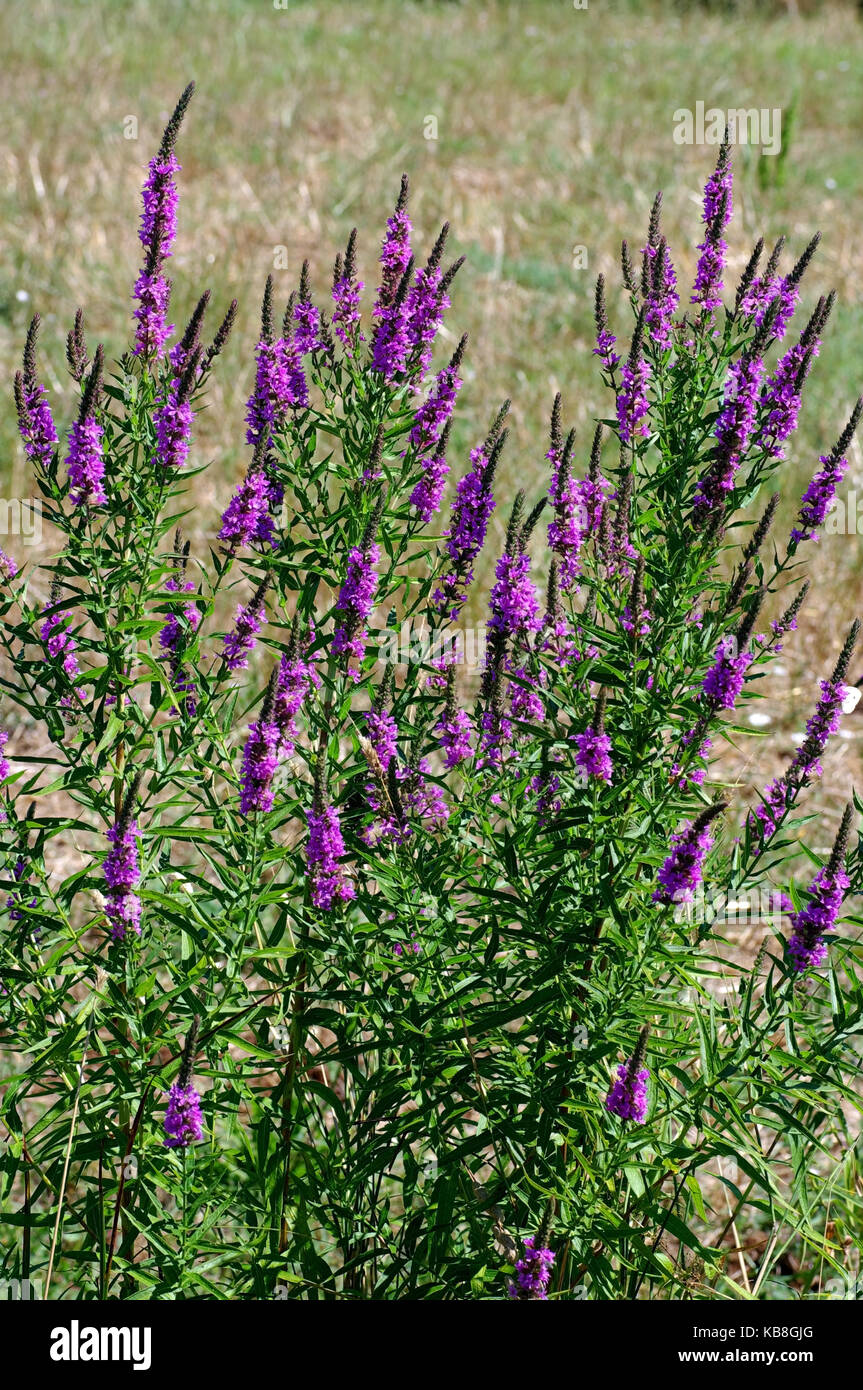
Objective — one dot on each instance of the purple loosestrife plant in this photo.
(421, 898)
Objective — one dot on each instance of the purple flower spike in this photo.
(632, 403)
(807, 947)
(346, 298)
(260, 761)
(247, 519)
(157, 233)
(184, 1123)
(280, 385)
(817, 499)
(472, 508)
(59, 643)
(297, 677)
(733, 432)
(329, 879)
(681, 873)
(122, 873)
(718, 208)
(84, 461)
(662, 299)
(396, 249)
(241, 640)
(35, 421)
(628, 1095)
(533, 1273)
(593, 756)
(724, 681)
(605, 339)
(357, 596)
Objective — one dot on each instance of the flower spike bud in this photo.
(223, 333)
(172, 129)
(76, 347)
(802, 265)
(626, 268)
(759, 535)
(748, 275)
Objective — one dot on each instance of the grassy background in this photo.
(554, 130)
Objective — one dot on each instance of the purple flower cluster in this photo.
(627, 1097)
(593, 755)
(716, 215)
(330, 881)
(58, 641)
(35, 421)
(240, 641)
(807, 947)
(533, 1272)
(578, 505)
(157, 233)
(260, 761)
(604, 350)
(761, 295)
(455, 737)
(395, 251)
(4, 761)
(85, 464)
(297, 677)
(425, 305)
(355, 602)
(733, 432)
(247, 519)
(681, 873)
(173, 420)
(662, 297)
(8, 566)
(818, 497)
(724, 681)
(632, 403)
(346, 314)
(122, 875)
(280, 385)
(180, 625)
(473, 505)
(513, 604)
(184, 1123)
